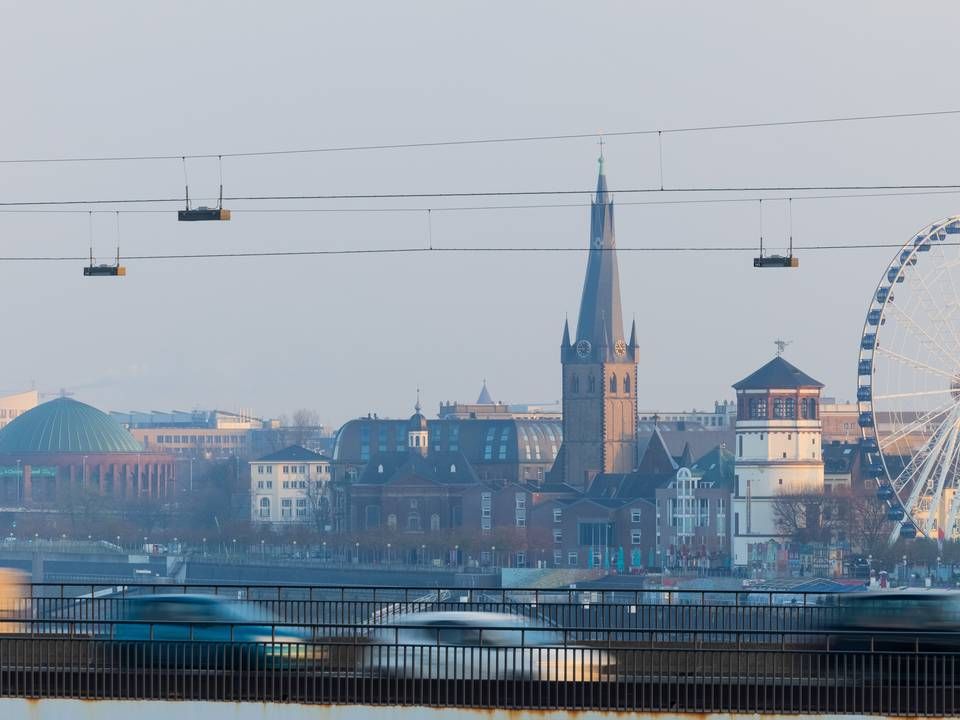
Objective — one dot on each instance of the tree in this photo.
(808, 516)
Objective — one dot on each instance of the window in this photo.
(572, 559)
(264, 507)
(557, 535)
(301, 502)
(286, 502)
(557, 558)
(372, 513)
(779, 481)
(595, 533)
(521, 518)
(557, 515)
(301, 512)
(613, 383)
(758, 408)
(521, 559)
(575, 382)
(413, 522)
(269, 484)
(521, 500)
(739, 445)
(626, 384)
(592, 384)
(260, 484)
(634, 537)
(434, 522)
(635, 515)
(485, 502)
(808, 408)
(414, 503)
(485, 523)
(392, 521)
(785, 408)
(703, 512)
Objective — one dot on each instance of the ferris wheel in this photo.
(908, 389)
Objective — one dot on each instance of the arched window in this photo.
(613, 383)
(380, 469)
(453, 469)
(434, 522)
(392, 521)
(264, 507)
(575, 382)
(592, 384)
(626, 384)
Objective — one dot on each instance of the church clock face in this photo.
(583, 348)
(620, 348)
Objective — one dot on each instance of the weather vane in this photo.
(781, 345)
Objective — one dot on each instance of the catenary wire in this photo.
(526, 206)
(500, 193)
(450, 250)
(486, 141)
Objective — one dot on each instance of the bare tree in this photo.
(810, 516)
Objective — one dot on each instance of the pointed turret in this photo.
(484, 398)
(600, 312)
(565, 343)
(633, 335)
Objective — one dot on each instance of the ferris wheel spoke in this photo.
(945, 463)
(950, 355)
(935, 309)
(912, 427)
(919, 481)
(921, 393)
(918, 364)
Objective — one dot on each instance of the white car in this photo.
(457, 645)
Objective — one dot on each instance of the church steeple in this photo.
(599, 367)
(600, 322)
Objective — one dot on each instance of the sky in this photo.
(348, 335)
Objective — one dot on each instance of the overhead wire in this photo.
(452, 250)
(483, 141)
(951, 187)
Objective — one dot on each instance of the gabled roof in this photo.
(715, 467)
(624, 487)
(777, 374)
(293, 453)
(656, 457)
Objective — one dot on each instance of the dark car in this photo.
(925, 620)
(205, 631)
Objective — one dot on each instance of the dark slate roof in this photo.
(66, 425)
(656, 457)
(294, 453)
(601, 317)
(839, 457)
(777, 374)
(715, 467)
(445, 468)
(624, 487)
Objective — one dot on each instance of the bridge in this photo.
(642, 651)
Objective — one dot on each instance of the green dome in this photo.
(68, 426)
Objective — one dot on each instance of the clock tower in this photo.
(599, 365)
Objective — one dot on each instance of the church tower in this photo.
(599, 364)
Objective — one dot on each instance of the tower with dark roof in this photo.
(417, 432)
(599, 364)
(778, 451)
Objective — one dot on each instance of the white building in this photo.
(12, 406)
(778, 450)
(290, 486)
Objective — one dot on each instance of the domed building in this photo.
(63, 446)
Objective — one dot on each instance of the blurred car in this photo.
(209, 630)
(457, 645)
(897, 620)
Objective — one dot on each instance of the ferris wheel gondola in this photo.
(908, 385)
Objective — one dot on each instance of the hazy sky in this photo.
(351, 335)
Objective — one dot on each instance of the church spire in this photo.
(600, 321)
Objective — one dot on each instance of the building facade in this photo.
(13, 406)
(290, 486)
(599, 365)
(778, 450)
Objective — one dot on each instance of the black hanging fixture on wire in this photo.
(777, 261)
(202, 212)
(116, 270)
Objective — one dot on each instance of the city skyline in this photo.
(356, 334)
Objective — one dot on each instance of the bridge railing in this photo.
(642, 669)
(566, 608)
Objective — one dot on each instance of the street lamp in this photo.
(19, 483)
(388, 553)
(493, 555)
(357, 545)
(423, 552)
